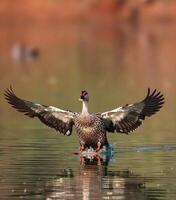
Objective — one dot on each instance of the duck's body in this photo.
(91, 131)
(91, 127)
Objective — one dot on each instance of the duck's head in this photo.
(84, 96)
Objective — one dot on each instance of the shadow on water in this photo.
(38, 167)
(95, 181)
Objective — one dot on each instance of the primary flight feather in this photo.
(91, 127)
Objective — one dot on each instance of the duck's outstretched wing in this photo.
(53, 117)
(129, 117)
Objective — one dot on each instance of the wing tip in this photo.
(8, 90)
(16, 102)
(154, 93)
(9, 94)
(153, 102)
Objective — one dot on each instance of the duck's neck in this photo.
(84, 108)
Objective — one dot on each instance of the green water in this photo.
(116, 65)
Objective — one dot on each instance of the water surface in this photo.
(115, 64)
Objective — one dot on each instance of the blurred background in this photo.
(51, 50)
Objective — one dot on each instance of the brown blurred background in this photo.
(52, 49)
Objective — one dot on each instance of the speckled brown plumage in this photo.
(91, 130)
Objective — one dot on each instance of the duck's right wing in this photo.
(129, 117)
(53, 117)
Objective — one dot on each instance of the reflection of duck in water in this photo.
(21, 52)
(91, 127)
(95, 181)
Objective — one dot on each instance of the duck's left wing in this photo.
(129, 117)
(56, 118)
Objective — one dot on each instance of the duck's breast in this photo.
(90, 129)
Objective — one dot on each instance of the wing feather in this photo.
(129, 117)
(53, 117)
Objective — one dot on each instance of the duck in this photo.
(22, 52)
(92, 128)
